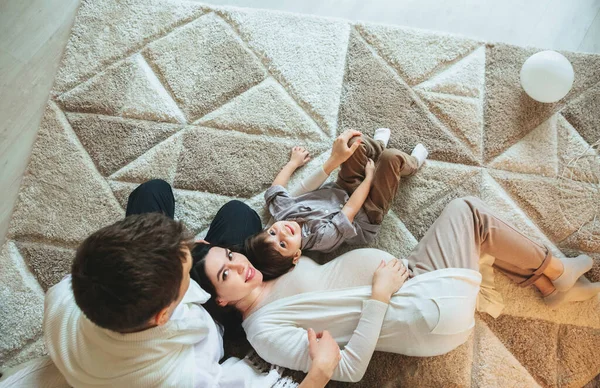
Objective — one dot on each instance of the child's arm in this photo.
(298, 158)
(357, 199)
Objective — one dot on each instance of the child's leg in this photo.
(352, 171)
(391, 166)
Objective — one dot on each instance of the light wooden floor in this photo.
(33, 34)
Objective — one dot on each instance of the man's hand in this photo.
(324, 352)
(299, 157)
(340, 152)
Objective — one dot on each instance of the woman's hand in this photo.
(370, 170)
(299, 157)
(388, 279)
(340, 152)
(324, 353)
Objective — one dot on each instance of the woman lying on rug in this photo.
(362, 299)
(367, 306)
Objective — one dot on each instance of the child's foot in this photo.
(574, 267)
(383, 135)
(582, 290)
(420, 153)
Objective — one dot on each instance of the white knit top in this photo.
(430, 315)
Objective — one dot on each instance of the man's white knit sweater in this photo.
(182, 353)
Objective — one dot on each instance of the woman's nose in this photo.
(237, 266)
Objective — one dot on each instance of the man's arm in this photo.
(298, 158)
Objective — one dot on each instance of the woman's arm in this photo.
(287, 346)
(325, 355)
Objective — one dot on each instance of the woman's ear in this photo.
(297, 257)
(221, 302)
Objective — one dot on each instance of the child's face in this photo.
(286, 237)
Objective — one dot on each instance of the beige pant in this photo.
(465, 230)
(390, 165)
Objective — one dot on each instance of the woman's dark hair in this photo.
(228, 316)
(265, 257)
(125, 273)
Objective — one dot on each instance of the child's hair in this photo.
(265, 257)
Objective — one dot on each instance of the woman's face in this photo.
(231, 274)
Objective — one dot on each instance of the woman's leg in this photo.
(155, 196)
(465, 230)
(234, 222)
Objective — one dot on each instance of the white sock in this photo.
(420, 152)
(382, 134)
(574, 268)
(582, 290)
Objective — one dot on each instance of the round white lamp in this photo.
(547, 76)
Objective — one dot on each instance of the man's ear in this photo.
(162, 316)
(297, 257)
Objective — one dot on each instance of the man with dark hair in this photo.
(129, 315)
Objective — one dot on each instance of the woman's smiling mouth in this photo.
(250, 273)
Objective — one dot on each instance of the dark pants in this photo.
(233, 223)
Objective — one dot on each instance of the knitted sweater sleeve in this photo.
(287, 346)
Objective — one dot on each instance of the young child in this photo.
(321, 218)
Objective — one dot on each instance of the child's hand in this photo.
(369, 169)
(299, 157)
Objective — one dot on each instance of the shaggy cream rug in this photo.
(212, 99)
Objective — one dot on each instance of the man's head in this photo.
(131, 275)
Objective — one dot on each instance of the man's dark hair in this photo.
(125, 273)
(265, 256)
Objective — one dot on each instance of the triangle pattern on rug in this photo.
(264, 109)
(464, 78)
(510, 114)
(535, 153)
(373, 96)
(197, 209)
(113, 142)
(62, 197)
(432, 182)
(505, 208)
(128, 89)
(240, 171)
(532, 342)
(586, 238)
(577, 159)
(414, 53)
(49, 263)
(558, 207)
(494, 365)
(305, 54)
(462, 115)
(578, 360)
(22, 307)
(104, 34)
(160, 162)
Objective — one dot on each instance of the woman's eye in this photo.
(225, 273)
(230, 255)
